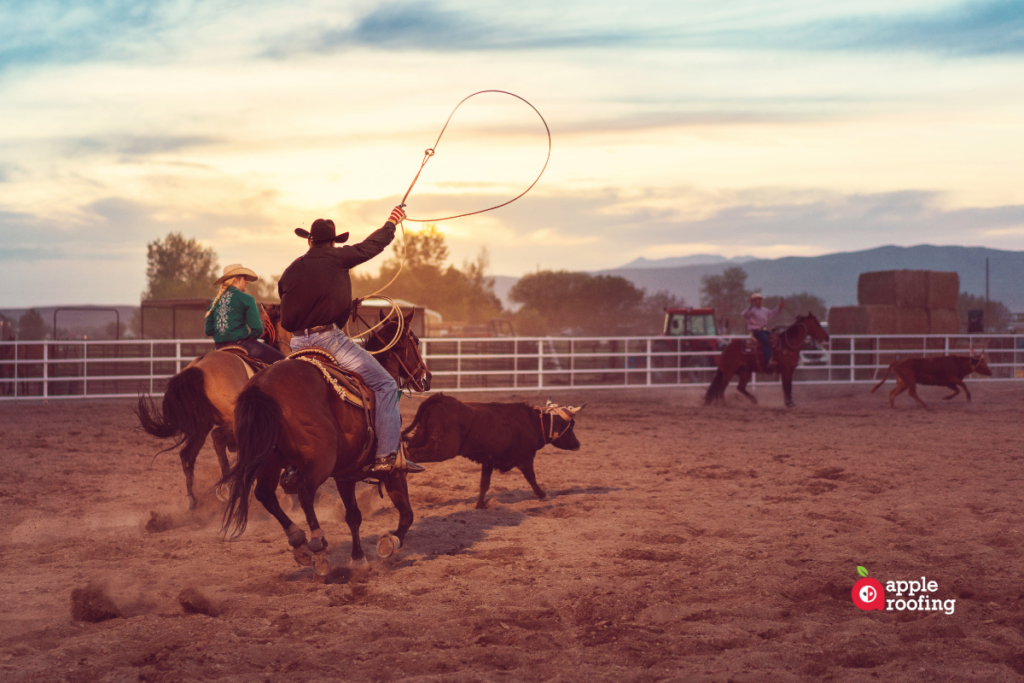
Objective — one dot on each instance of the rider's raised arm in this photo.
(350, 256)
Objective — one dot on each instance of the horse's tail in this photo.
(187, 414)
(257, 425)
(883, 378)
(716, 391)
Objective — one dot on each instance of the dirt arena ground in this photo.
(680, 544)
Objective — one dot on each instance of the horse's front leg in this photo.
(353, 517)
(787, 385)
(398, 490)
(266, 493)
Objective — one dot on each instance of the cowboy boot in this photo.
(387, 463)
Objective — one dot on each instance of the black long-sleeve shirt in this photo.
(316, 288)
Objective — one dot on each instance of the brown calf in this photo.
(945, 371)
(496, 435)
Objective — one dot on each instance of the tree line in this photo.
(556, 303)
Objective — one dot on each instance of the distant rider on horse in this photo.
(757, 318)
(233, 318)
(316, 301)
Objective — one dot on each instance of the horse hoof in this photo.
(223, 493)
(321, 565)
(388, 545)
(318, 545)
(297, 538)
(190, 501)
(302, 555)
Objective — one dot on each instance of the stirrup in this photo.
(385, 464)
(289, 477)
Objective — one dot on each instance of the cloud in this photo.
(137, 145)
(70, 31)
(583, 231)
(597, 230)
(133, 145)
(428, 27)
(971, 29)
(985, 27)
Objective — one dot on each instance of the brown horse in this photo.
(290, 416)
(735, 360)
(200, 400)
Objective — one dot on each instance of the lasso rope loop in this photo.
(427, 154)
(431, 151)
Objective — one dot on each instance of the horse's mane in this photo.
(273, 312)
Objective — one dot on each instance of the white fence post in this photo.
(46, 371)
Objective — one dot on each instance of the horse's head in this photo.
(274, 334)
(813, 327)
(398, 349)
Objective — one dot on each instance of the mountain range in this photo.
(833, 277)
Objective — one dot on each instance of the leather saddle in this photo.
(348, 385)
(752, 344)
(252, 365)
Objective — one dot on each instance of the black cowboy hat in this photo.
(322, 230)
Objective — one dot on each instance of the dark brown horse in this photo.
(200, 400)
(735, 360)
(290, 416)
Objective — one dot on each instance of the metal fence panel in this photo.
(114, 369)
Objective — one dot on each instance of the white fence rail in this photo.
(94, 369)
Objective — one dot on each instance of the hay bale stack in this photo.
(882, 319)
(877, 289)
(847, 320)
(925, 301)
(943, 292)
(900, 288)
(911, 321)
(863, 320)
(943, 320)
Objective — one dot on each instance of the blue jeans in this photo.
(351, 356)
(766, 344)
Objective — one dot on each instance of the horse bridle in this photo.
(413, 378)
(807, 333)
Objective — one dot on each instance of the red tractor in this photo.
(690, 336)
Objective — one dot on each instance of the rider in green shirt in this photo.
(233, 318)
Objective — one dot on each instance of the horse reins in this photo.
(401, 331)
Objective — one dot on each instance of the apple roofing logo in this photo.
(868, 594)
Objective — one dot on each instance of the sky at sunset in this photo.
(766, 128)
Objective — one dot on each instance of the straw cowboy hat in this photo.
(236, 269)
(322, 231)
(756, 295)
